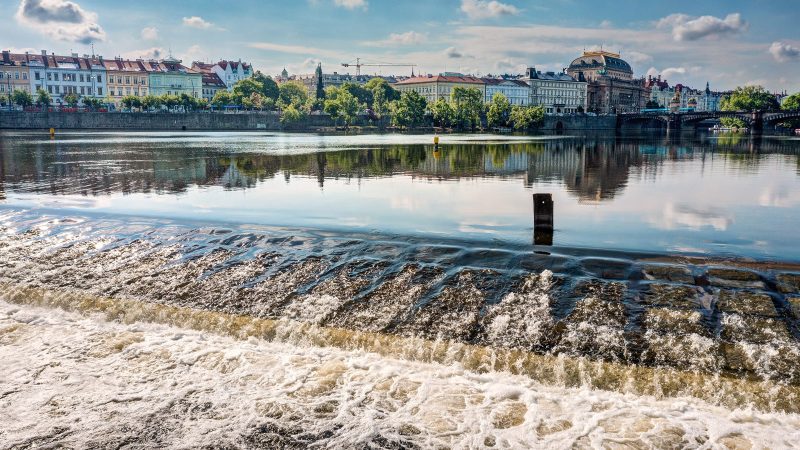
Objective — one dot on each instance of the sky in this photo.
(727, 43)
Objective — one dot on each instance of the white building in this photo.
(558, 93)
(516, 91)
(229, 72)
(435, 87)
(702, 100)
(61, 75)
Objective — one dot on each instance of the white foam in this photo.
(158, 385)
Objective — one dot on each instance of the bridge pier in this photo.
(673, 124)
(757, 123)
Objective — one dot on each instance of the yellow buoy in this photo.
(436, 140)
(52, 131)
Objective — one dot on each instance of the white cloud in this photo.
(351, 4)
(481, 9)
(294, 49)
(783, 52)
(148, 53)
(150, 33)
(606, 24)
(61, 19)
(197, 22)
(688, 28)
(398, 39)
(637, 57)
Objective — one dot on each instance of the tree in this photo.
(291, 115)
(93, 103)
(246, 88)
(409, 111)
(791, 103)
(257, 100)
(131, 101)
(292, 93)
(499, 111)
(170, 101)
(749, 98)
(377, 84)
(526, 117)
(341, 104)
(468, 105)
(187, 101)
(269, 88)
(222, 98)
(22, 98)
(443, 113)
(71, 100)
(363, 94)
(151, 102)
(320, 88)
(43, 98)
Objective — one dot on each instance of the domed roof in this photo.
(600, 60)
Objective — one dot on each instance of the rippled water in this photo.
(673, 285)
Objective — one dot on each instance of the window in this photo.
(49, 76)
(37, 75)
(99, 91)
(24, 75)
(127, 80)
(16, 75)
(99, 78)
(81, 77)
(50, 89)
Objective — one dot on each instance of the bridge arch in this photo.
(778, 117)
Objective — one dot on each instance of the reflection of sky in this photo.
(713, 205)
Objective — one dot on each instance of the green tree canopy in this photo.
(269, 88)
(749, 98)
(151, 102)
(409, 111)
(131, 101)
(444, 115)
(526, 117)
(791, 103)
(499, 111)
(468, 105)
(222, 98)
(379, 84)
(71, 100)
(291, 115)
(22, 98)
(320, 88)
(358, 91)
(292, 93)
(43, 98)
(341, 104)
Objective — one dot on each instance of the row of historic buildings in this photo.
(114, 78)
(597, 81)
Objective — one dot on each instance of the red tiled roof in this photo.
(211, 79)
(441, 79)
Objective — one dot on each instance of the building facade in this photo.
(229, 72)
(61, 75)
(126, 77)
(211, 84)
(14, 75)
(516, 91)
(662, 94)
(329, 79)
(169, 77)
(435, 87)
(557, 93)
(611, 87)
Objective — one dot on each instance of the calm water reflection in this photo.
(718, 196)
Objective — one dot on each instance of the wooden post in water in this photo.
(542, 219)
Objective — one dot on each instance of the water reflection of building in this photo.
(593, 169)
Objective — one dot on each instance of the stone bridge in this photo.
(755, 120)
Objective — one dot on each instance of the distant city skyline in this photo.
(727, 43)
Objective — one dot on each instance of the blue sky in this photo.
(727, 43)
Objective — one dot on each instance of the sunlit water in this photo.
(673, 287)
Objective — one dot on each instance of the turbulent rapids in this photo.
(317, 312)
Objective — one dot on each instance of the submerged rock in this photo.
(735, 278)
(789, 283)
(677, 274)
(742, 302)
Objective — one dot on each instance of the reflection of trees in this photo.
(593, 169)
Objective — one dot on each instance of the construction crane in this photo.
(358, 65)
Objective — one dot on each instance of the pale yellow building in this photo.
(14, 74)
(434, 87)
(126, 77)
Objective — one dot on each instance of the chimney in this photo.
(44, 52)
(6, 57)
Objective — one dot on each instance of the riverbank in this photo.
(206, 121)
